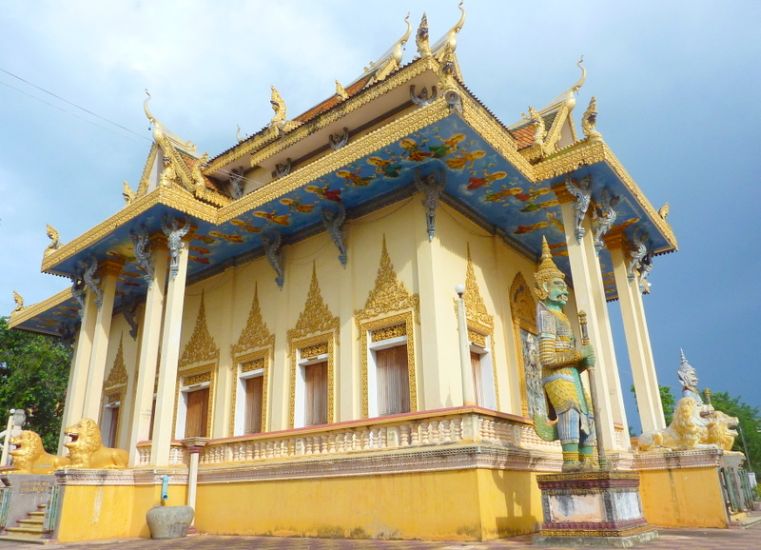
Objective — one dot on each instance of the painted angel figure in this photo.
(582, 190)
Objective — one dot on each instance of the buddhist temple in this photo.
(278, 323)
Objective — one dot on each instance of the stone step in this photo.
(31, 530)
(31, 521)
(36, 514)
(23, 539)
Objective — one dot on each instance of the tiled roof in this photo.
(524, 134)
(333, 100)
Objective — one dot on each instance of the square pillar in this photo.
(80, 364)
(149, 348)
(584, 293)
(163, 424)
(109, 272)
(638, 346)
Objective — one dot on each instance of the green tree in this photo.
(750, 423)
(34, 371)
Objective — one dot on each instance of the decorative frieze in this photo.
(386, 333)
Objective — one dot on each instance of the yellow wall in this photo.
(686, 497)
(430, 269)
(455, 505)
(96, 512)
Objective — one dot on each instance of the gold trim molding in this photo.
(255, 334)
(328, 340)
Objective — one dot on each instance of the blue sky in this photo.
(677, 84)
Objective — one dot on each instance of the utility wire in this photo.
(88, 111)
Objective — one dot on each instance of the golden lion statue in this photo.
(86, 449)
(29, 456)
(692, 428)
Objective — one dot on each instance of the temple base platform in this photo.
(600, 508)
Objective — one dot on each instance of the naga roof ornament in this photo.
(589, 121)
(449, 40)
(421, 38)
(341, 91)
(391, 60)
(570, 95)
(161, 135)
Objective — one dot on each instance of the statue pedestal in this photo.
(592, 509)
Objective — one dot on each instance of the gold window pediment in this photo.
(256, 334)
(117, 376)
(201, 346)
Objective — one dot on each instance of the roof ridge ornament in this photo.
(55, 239)
(341, 91)
(589, 121)
(160, 134)
(392, 58)
(449, 40)
(421, 38)
(19, 299)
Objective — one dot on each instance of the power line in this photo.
(83, 109)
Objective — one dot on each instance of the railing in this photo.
(5, 500)
(411, 430)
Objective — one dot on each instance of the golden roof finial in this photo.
(54, 237)
(127, 193)
(540, 130)
(278, 105)
(546, 271)
(160, 133)
(450, 38)
(341, 91)
(398, 48)
(421, 38)
(589, 120)
(19, 299)
(390, 60)
(570, 98)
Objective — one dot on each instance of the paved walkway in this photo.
(671, 539)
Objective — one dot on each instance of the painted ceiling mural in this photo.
(475, 176)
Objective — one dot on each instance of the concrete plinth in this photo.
(592, 509)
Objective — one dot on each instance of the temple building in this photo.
(337, 313)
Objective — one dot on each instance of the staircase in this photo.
(30, 529)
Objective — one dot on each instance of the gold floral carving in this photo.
(316, 316)
(309, 352)
(386, 333)
(194, 379)
(477, 338)
(389, 293)
(256, 334)
(117, 376)
(523, 311)
(370, 327)
(475, 308)
(252, 365)
(201, 346)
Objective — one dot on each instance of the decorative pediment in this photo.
(475, 308)
(316, 316)
(201, 346)
(522, 304)
(117, 376)
(256, 334)
(389, 293)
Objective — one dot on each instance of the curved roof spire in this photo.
(392, 59)
(160, 133)
(450, 38)
(574, 90)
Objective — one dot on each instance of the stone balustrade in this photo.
(411, 430)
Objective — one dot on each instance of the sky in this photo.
(677, 85)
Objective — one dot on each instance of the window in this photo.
(482, 366)
(312, 381)
(110, 423)
(249, 397)
(253, 406)
(193, 405)
(388, 374)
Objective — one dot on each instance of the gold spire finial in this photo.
(421, 39)
(278, 105)
(583, 78)
(160, 134)
(54, 237)
(449, 40)
(341, 91)
(19, 299)
(546, 271)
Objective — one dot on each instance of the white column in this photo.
(163, 428)
(109, 272)
(646, 399)
(80, 363)
(605, 346)
(150, 335)
(584, 294)
(194, 445)
(639, 313)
